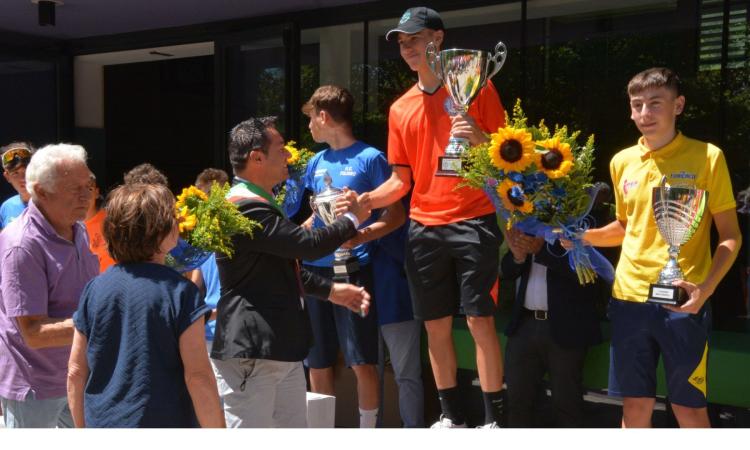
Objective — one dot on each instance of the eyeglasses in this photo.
(15, 157)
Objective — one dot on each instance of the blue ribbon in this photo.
(293, 198)
(572, 230)
(585, 253)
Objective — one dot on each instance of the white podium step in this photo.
(321, 410)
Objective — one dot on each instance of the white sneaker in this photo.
(490, 425)
(445, 422)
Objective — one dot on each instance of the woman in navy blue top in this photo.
(139, 355)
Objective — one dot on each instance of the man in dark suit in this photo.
(552, 324)
(262, 328)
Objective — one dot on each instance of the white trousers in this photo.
(261, 393)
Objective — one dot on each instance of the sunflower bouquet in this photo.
(289, 193)
(207, 223)
(540, 181)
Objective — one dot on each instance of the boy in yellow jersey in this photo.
(641, 332)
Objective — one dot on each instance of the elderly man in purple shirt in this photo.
(45, 262)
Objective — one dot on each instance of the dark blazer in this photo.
(571, 306)
(259, 314)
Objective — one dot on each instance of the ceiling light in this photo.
(47, 11)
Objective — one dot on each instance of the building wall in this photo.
(569, 62)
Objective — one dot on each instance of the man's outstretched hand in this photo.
(355, 298)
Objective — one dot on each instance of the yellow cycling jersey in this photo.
(635, 171)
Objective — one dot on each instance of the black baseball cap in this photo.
(417, 19)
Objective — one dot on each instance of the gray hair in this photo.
(43, 169)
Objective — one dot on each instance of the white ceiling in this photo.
(87, 18)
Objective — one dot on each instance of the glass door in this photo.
(256, 78)
(32, 103)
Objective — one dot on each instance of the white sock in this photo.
(368, 418)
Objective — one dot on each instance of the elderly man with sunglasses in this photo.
(45, 262)
(15, 157)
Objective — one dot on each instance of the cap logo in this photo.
(405, 17)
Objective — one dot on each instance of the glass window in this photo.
(28, 89)
(476, 28)
(256, 80)
(734, 313)
(31, 87)
(387, 78)
(577, 60)
(333, 55)
(161, 112)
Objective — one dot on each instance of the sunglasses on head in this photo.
(15, 157)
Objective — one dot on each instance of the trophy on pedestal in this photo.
(678, 212)
(323, 204)
(463, 73)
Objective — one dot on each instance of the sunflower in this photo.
(511, 149)
(188, 192)
(557, 160)
(293, 153)
(512, 197)
(185, 220)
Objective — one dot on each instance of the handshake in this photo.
(331, 204)
(350, 201)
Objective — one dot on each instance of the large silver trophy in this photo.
(323, 204)
(463, 73)
(678, 212)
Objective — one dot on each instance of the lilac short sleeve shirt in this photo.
(41, 273)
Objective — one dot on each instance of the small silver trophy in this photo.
(463, 73)
(678, 212)
(323, 204)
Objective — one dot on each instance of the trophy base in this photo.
(346, 271)
(448, 166)
(667, 294)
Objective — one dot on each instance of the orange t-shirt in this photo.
(97, 244)
(418, 132)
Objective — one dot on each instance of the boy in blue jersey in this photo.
(15, 158)
(346, 163)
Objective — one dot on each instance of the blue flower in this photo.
(491, 182)
(535, 181)
(558, 192)
(516, 177)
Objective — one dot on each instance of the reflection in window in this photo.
(333, 55)
(256, 81)
(28, 89)
(578, 58)
(712, 34)
(29, 85)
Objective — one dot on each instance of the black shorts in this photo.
(336, 327)
(453, 264)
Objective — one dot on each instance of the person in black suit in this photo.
(553, 322)
(263, 329)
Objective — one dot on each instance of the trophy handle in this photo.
(497, 59)
(313, 206)
(434, 61)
